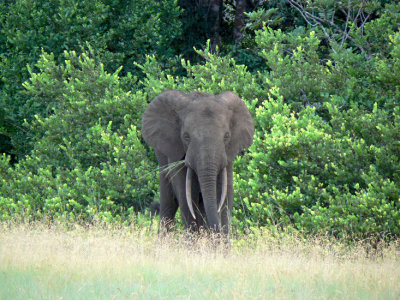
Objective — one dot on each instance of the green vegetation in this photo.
(321, 79)
(122, 32)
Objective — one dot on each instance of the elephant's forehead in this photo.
(207, 108)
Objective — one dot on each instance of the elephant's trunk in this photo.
(208, 187)
(209, 163)
(189, 176)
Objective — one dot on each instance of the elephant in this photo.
(201, 134)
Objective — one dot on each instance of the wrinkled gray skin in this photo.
(207, 132)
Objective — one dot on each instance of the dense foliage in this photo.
(324, 97)
(122, 32)
(88, 159)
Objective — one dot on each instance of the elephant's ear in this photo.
(161, 123)
(242, 127)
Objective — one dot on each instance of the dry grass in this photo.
(113, 263)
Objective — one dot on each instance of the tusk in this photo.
(189, 191)
(224, 189)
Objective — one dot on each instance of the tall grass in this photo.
(53, 262)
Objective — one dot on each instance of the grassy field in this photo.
(38, 262)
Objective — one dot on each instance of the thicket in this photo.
(324, 98)
(122, 32)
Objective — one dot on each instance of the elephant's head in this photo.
(205, 130)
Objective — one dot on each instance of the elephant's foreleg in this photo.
(168, 203)
(201, 217)
(168, 206)
(178, 180)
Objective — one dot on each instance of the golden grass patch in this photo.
(99, 262)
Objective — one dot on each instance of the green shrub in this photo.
(88, 159)
(294, 65)
(121, 32)
(308, 71)
(215, 75)
(340, 177)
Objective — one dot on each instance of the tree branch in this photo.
(309, 14)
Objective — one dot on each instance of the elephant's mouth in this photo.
(189, 176)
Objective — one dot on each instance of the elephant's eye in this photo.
(186, 137)
(227, 136)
